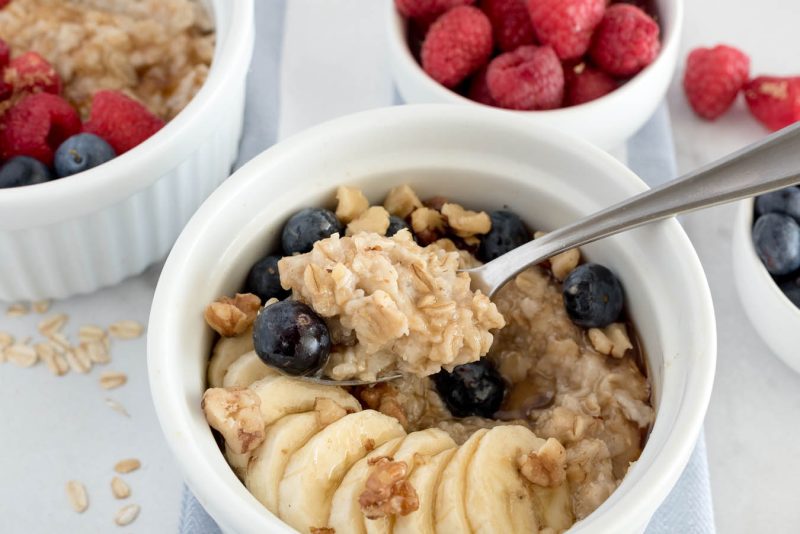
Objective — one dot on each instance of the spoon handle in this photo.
(770, 164)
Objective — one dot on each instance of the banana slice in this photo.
(416, 447)
(450, 514)
(248, 368)
(281, 395)
(346, 515)
(226, 351)
(316, 470)
(500, 499)
(425, 479)
(238, 461)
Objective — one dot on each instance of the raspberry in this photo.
(32, 73)
(458, 44)
(36, 126)
(529, 78)
(427, 8)
(566, 25)
(584, 84)
(479, 89)
(626, 40)
(511, 23)
(120, 120)
(713, 78)
(773, 100)
(5, 54)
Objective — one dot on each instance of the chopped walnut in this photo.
(352, 203)
(612, 340)
(375, 219)
(387, 492)
(563, 264)
(236, 414)
(545, 467)
(232, 316)
(328, 410)
(321, 530)
(401, 201)
(383, 397)
(428, 224)
(466, 223)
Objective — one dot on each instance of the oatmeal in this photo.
(157, 51)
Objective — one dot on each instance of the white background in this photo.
(56, 429)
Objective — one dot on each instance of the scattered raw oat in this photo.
(50, 325)
(126, 514)
(78, 360)
(6, 340)
(112, 379)
(117, 407)
(42, 306)
(60, 341)
(76, 493)
(17, 309)
(97, 351)
(22, 355)
(57, 364)
(128, 329)
(128, 465)
(119, 488)
(91, 332)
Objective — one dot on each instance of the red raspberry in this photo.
(479, 89)
(5, 54)
(120, 120)
(427, 8)
(458, 44)
(31, 72)
(713, 78)
(584, 84)
(530, 77)
(626, 40)
(773, 100)
(566, 25)
(36, 126)
(511, 23)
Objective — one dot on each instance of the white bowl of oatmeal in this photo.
(482, 162)
(187, 61)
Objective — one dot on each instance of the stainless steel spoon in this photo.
(771, 164)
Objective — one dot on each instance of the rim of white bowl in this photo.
(89, 191)
(170, 400)
(398, 45)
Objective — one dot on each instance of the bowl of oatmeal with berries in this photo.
(570, 400)
(108, 111)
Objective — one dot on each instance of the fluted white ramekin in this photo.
(93, 229)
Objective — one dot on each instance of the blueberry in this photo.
(22, 170)
(264, 279)
(81, 152)
(308, 226)
(507, 233)
(786, 201)
(777, 241)
(471, 389)
(395, 225)
(290, 337)
(592, 296)
(792, 290)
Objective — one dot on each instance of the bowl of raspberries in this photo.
(592, 68)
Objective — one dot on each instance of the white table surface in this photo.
(56, 429)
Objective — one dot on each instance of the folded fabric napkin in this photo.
(289, 88)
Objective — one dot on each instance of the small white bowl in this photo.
(482, 160)
(774, 316)
(93, 229)
(606, 122)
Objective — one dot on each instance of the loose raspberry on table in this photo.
(511, 23)
(774, 100)
(625, 41)
(566, 25)
(36, 126)
(479, 89)
(529, 78)
(585, 83)
(458, 44)
(713, 78)
(31, 72)
(428, 8)
(121, 121)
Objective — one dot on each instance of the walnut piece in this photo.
(466, 223)
(375, 219)
(383, 397)
(230, 317)
(545, 467)
(328, 410)
(612, 340)
(352, 203)
(236, 414)
(563, 264)
(428, 224)
(387, 491)
(322, 530)
(401, 201)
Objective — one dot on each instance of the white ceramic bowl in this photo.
(98, 227)
(483, 160)
(606, 122)
(773, 315)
